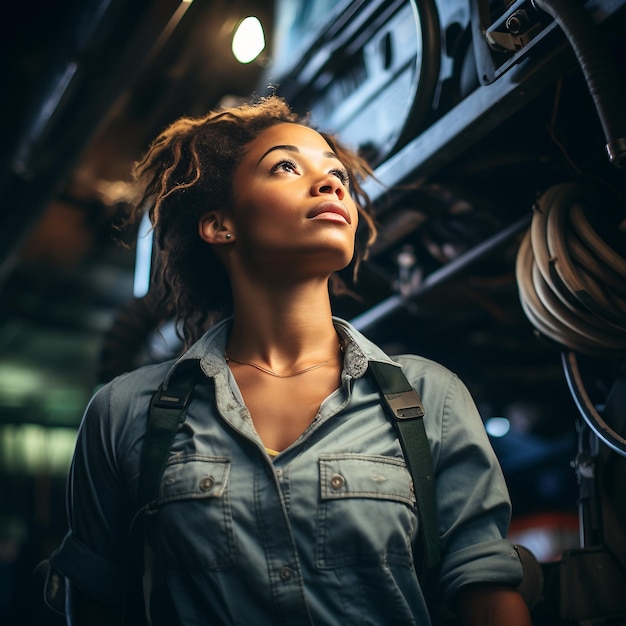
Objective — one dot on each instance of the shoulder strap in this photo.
(168, 410)
(404, 407)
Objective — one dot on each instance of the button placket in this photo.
(285, 574)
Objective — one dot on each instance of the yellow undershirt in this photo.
(271, 452)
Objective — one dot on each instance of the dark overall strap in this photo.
(168, 410)
(405, 408)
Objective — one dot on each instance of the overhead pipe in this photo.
(396, 302)
(96, 20)
(63, 71)
(604, 81)
(35, 170)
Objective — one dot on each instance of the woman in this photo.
(286, 498)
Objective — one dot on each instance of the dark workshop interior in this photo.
(497, 134)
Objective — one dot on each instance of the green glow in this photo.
(33, 449)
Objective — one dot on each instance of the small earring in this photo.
(228, 235)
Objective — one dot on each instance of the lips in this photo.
(332, 211)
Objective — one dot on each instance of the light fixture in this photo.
(248, 40)
(143, 257)
(34, 449)
(497, 426)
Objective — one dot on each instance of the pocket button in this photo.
(337, 481)
(206, 483)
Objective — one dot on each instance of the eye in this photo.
(342, 175)
(284, 165)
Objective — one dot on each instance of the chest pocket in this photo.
(194, 525)
(367, 512)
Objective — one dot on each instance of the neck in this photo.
(282, 327)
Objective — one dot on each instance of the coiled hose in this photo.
(572, 286)
(572, 283)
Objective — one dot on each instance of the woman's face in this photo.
(292, 202)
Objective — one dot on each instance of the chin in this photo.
(328, 263)
(341, 256)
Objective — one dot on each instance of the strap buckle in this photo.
(406, 404)
(166, 400)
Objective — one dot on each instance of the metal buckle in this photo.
(166, 401)
(405, 405)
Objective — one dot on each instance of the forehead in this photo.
(303, 137)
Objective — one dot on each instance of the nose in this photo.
(329, 184)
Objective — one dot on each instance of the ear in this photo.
(214, 228)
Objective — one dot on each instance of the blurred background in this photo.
(497, 131)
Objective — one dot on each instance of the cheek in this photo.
(356, 217)
(264, 204)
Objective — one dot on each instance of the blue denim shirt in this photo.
(324, 533)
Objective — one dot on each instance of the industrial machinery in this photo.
(498, 134)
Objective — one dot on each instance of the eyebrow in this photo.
(290, 148)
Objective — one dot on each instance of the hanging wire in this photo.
(571, 282)
(572, 286)
(586, 408)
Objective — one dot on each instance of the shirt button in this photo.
(285, 573)
(337, 481)
(206, 483)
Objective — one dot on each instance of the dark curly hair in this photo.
(187, 172)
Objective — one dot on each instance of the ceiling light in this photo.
(248, 40)
(497, 426)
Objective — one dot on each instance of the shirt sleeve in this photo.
(473, 504)
(93, 554)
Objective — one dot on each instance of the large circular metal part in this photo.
(371, 77)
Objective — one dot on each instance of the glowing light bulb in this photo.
(248, 40)
(497, 426)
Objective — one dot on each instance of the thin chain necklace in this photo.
(272, 372)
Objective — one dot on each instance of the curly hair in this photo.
(188, 171)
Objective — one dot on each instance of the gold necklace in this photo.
(272, 372)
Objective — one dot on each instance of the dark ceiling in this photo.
(88, 86)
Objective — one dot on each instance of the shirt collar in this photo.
(358, 350)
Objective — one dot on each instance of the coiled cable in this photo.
(585, 406)
(572, 287)
(571, 281)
